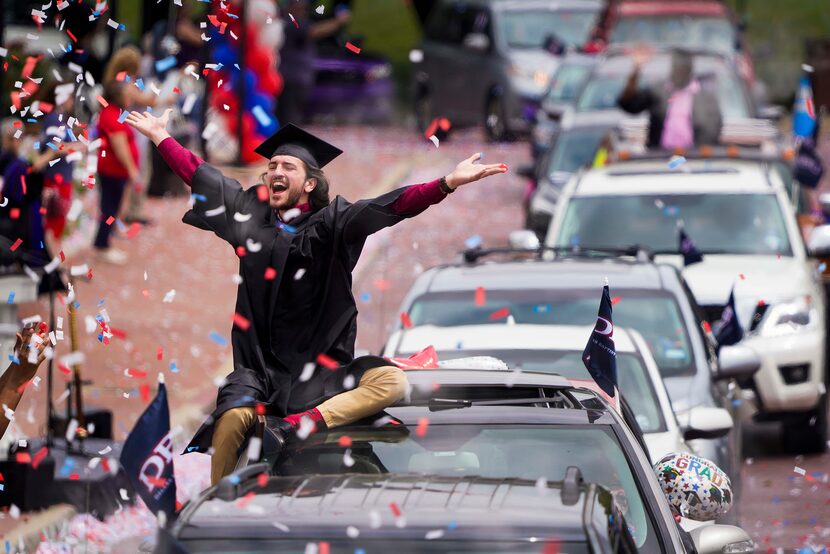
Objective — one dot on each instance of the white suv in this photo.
(738, 213)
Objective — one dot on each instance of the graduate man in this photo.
(297, 249)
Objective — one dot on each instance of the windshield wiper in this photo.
(437, 404)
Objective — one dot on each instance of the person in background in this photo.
(297, 55)
(117, 166)
(29, 353)
(682, 113)
(56, 134)
(124, 66)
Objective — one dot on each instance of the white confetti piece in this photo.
(253, 246)
(434, 534)
(168, 298)
(299, 274)
(380, 422)
(434, 140)
(125, 496)
(77, 270)
(8, 412)
(306, 428)
(281, 526)
(799, 470)
(308, 371)
(105, 451)
(254, 448)
(14, 511)
(189, 102)
(145, 275)
(210, 130)
(215, 211)
(374, 519)
(291, 214)
(53, 265)
(93, 462)
(71, 429)
(348, 382)
(352, 532)
(241, 218)
(348, 461)
(73, 358)
(320, 9)
(542, 486)
(311, 548)
(52, 338)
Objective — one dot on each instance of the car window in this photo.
(655, 314)
(527, 28)
(379, 546)
(574, 149)
(634, 381)
(567, 81)
(447, 23)
(603, 89)
(718, 223)
(710, 33)
(495, 451)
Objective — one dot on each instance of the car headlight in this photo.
(785, 318)
(530, 78)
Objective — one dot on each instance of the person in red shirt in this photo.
(117, 166)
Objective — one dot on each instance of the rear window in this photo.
(709, 33)
(655, 314)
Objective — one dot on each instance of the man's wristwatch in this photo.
(445, 188)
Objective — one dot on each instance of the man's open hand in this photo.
(469, 171)
(25, 370)
(152, 127)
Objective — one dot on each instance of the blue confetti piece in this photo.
(821, 267)
(365, 297)
(11, 297)
(139, 83)
(76, 305)
(231, 15)
(199, 197)
(173, 367)
(122, 117)
(737, 402)
(359, 551)
(218, 339)
(192, 448)
(287, 228)
(452, 526)
(234, 479)
(459, 345)
(50, 145)
(165, 63)
(473, 242)
(41, 245)
(676, 162)
(236, 65)
(122, 27)
(261, 116)
(541, 308)
(2, 487)
(101, 303)
(8, 547)
(72, 135)
(15, 359)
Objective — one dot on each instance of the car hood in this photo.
(755, 278)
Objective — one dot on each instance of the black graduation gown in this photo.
(305, 310)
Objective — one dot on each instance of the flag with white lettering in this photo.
(147, 456)
(728, 329)
(600, 355)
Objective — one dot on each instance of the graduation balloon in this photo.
(695, 487)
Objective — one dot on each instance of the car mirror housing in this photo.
(716, 539)
(819, 243)
(737, 362)
(705, 422)
(477, 41)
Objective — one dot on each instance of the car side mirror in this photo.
(527, 171)
(703, 422)
(737, 362)
(819, 243)
(524, 239)
(478, 42)
(716, 539)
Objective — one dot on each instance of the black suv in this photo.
(475, 461)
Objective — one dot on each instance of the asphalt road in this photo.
(781, 508)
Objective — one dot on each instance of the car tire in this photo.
(808, 434)
(423, 109)
(495, 123)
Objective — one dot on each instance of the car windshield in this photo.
(654, 314)
(530, 28)
(567, 81)
(749, 224)
(603, 89)
(574, 149)
(500, 451)
(709, 33)
(634, 381)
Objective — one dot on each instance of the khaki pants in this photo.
(379, 388)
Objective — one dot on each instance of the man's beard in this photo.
(290, 199)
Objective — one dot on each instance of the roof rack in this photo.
(642, 253)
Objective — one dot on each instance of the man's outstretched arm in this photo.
(182, 161)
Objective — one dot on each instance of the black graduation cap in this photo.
(293, 141)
